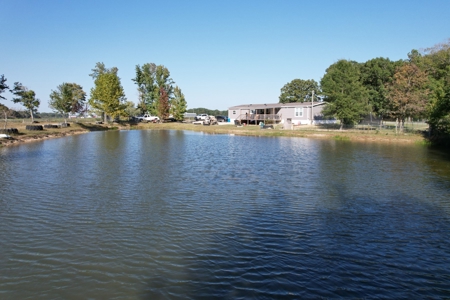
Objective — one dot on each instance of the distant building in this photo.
(279, 113)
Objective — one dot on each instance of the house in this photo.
(288, 114)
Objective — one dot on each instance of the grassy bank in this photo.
(357, 134)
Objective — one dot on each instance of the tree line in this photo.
(414, 88)
(157, 95)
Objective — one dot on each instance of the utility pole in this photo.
(312, 111)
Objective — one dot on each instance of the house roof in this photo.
(276, 105)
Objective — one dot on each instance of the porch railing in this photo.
(258, 117)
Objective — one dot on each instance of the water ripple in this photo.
(182, 215)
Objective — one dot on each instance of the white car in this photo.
(148, 118)
(201, 117)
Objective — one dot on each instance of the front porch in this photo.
(255, 119)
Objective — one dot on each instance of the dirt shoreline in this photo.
(307, 132)
(16, 140)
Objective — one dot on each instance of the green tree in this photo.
(178, 105)
(3, 86)
(298, 90)
(68, 98)
(408, 93)
(108, 96)
(345, 94)
(150, 79)
(130, 110)
(375, 75)
(26, 97)
(101, 69)
(145, 80)
(435, 61)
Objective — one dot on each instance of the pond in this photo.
(186, 215)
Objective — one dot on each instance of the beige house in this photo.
(279, 113)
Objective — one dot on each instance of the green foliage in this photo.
(101, 69)
(178, 105)
(345, 93)
(3, 86)
(130, 110)
(376, 74)
(145, 80)
(298, 90)
(212, 112)
(108, 96)
(68, 97)
(26, 97)
(151, 79)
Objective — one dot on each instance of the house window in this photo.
(234, 112)
(299, 111)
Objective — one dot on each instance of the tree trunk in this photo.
(6, 119)
(342, 125)
(32, 117)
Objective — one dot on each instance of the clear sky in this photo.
(220, 53)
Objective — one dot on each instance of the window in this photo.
(234, 112)
(299, 111)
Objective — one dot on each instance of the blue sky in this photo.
(220, 53)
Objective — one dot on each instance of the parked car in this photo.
(201, 117)
(148, 118)
(221, 119)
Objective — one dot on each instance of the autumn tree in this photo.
(163, 104)
(108, 95)
(26, 97)
(298, 90)
(408, 93)
(346, 96)
(67, 98)
(178, 105)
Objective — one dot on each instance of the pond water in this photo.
(186, 215)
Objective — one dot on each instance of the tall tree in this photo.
(435, 61)
(150, 79)
(68, 98)
(178, 105)
(108, 96)
(26, 97)
(163, 104)
(3, 86)
(298, 90)
(408, 93)
(100, 68)
(345, 94)
(375, 75)
(145, 80)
